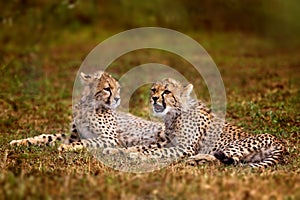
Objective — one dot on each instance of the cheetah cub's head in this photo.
(168, 95)
(101, 88)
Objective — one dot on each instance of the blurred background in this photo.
(31, 23)
(44, 42)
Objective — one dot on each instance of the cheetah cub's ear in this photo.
(186, 95)
(186, 92)
(85, 78)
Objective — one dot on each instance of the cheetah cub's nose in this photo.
(154, 99)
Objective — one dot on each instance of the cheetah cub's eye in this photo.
(153, 90)
(107, 89)
(167, 92)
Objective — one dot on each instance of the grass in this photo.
(262, 85)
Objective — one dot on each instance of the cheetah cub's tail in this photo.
(257, 151)
(262, 158)
(265, 157)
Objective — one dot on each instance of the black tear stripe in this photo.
(163, 98)
(110, 95)
(98, 93)
(163, 101)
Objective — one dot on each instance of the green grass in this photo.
(262, 85)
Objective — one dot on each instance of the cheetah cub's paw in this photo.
(75, 146)
(200, 159)
(112, 151)
(18, 142)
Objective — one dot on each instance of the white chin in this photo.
(115, 105)
(161, 114)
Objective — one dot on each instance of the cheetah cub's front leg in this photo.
(44, 139)
(200, 159)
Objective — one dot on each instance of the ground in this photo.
(262, 86)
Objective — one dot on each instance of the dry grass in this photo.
(262, 85)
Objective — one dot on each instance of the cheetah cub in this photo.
(193, 132)
(97, 123)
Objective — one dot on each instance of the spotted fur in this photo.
(97, 123)
(192, 131)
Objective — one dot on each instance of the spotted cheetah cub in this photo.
(97, 123)
(192, 131)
